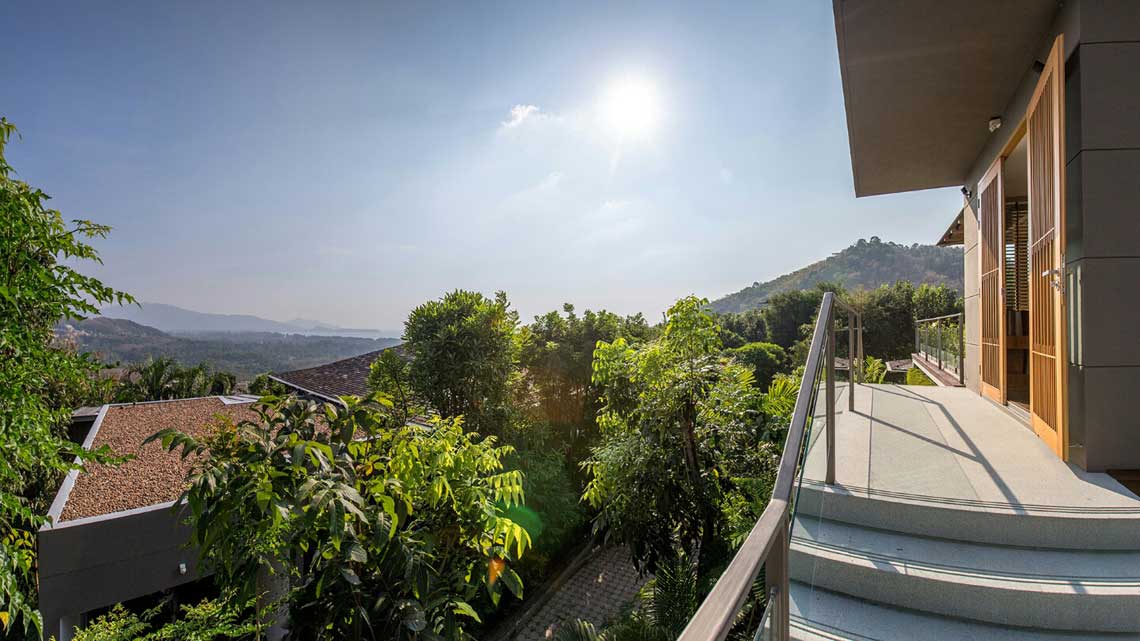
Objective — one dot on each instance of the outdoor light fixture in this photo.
(967, 193)
(182, 568)
(995, 123)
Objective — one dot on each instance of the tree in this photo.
(385, 530)
(39, 285)
(681, 435)
(765, 359)
(556, 358)
(787, 311)
(743, 327)
(262, 385)
(463, 356)
(931, 301)
(888, 320)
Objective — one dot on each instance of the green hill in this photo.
(246, 354)
(864, 265)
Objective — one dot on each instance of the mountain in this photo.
(178, 320)
(864, 265)
(246, 354)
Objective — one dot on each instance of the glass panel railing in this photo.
(756, 595)
(764, 631)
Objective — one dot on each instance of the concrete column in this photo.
(273, 587)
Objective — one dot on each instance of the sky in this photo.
(347, 161)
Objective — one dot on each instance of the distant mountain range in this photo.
(864, 265)
(246, 354)
(178, 320)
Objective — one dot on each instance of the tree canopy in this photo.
(463, 355)
(39, 285)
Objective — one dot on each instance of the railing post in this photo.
(917, 343)
(961, 349)
(862, 378)
(829, 374)
(850, 361)
(776, 583)
(939, 344)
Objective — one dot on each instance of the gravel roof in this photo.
(154, 476)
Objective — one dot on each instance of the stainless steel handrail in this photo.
(919, 344)
(767, 544)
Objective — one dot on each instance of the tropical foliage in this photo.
(681, 440)
(463, 354)
(208, 620)
(383, 529)
(163, 379)
(39, 284)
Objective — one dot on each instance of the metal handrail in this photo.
(767, 544)
(919, 344)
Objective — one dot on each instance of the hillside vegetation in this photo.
(246, 354)
(864, 265)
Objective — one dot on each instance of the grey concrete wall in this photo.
(972, 284)
(97, 562)
(1103, 250)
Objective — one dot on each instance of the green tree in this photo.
(39, 286)
(888, 320)
(931, 301)
(765, 359)
(788, 311)
(743, 327)
(463, 357)
(681, 429)
(385, 530)
(262, 385)
(556, 358)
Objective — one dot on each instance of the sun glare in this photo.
(630, 108)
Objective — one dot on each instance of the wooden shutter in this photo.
(1046, 118)
(991, 224)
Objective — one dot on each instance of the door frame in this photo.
(996, 177)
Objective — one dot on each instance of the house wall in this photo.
(100, 561)
(1103, 228)
(972, 364)
(1102, 254)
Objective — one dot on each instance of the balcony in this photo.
(935, 515)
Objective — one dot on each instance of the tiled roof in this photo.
(154, 476)
(348, 377)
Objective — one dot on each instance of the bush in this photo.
(553, 515)
(915, 376)
(765, 359)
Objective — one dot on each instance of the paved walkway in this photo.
(595, 593)
(949, 444)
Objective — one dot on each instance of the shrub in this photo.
(765, 359)
(915, 376)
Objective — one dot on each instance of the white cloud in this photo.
(726, 176)
(520, 114)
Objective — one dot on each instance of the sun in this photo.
(630, 108)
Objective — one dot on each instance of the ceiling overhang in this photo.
(922, 78)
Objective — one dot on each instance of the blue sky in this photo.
(347, 161)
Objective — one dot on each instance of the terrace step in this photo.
(988, 522)
(1076, 590)
(820, 615)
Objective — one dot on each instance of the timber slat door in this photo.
(992, 298)
(1047, 363)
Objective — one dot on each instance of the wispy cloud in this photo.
(520, 114)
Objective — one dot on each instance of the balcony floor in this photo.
(951, 446)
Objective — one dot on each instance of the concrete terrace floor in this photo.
(951, 446)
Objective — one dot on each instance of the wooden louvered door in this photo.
(992, 298)
(1047, 364)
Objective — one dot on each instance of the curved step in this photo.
(820, 615)
(1072, 527)
(1038, 588)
